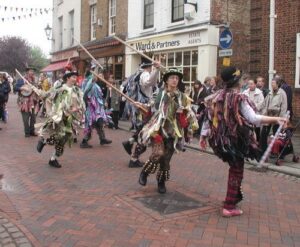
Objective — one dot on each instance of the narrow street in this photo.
(95, 200)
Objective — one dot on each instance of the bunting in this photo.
(18, 13)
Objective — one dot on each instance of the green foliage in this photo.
(38, 59)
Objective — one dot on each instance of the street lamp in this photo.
(48, 31)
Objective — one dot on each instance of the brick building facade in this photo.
(287, 25)
(236, 13)
(100, 20)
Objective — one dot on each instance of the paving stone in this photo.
(4, 235)
(9, 245)
(12, 229)
(6, 240)
(21, 240)
(25, 245)
(17, 235)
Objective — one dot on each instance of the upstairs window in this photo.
(71, 19)
(93, 17)
(177, 10)
(148, 14)
(112, 17)
(60, 30)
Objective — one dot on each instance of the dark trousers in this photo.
(99, 126)
(115, 118)
(234, 184)
(29, 119)
(264, 134)
(59, 143)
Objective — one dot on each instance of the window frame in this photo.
(297, 74)
(61, 33)
(112, 7)
(173, 8)
(145, 16)
(93, 21)
(72, 29)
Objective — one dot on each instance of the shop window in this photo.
(177, 10)
(171, 59)
(195, 57)
(186, 58)
(118, 71)
(189, 65)
(93, 17)
(112, 17)
(148, 13)
(178, 58)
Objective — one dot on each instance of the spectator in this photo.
(275, 104)
(214, 85)
(289, 94)
(244, 82)
(261, 85)
(198, 94)
(207, 82)
(4, 94)
(113, 101)
(257, 98)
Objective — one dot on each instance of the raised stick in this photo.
(120, 92)
(87, 52)
(141, 53)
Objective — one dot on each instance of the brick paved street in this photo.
(95, 200)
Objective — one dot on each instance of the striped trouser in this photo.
(234, 184)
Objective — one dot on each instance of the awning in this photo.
(55, 66)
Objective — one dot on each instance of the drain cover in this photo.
(169, 203)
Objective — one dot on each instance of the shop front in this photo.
(193, 50)
(109, 53)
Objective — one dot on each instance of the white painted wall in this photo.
(162, 17)
(62, 8)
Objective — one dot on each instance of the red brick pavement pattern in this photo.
(78, 205)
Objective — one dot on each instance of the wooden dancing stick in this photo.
(141, 53)
(120, 92)
(268, 151)
(88, 53)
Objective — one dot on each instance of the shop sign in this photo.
(169, 41)
(64, 55)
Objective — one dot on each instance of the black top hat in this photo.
(172, 71)
(175, 71)
(68, 74)
(230, 76)
(30, 68)
(146, 65)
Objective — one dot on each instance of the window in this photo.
(60, 30)
(93, 16)
(148, 14)
(59, 2)
(112, 17)
(177, 10)
(71, 19)
(186, 61)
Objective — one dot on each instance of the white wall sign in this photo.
(225, 53)
(166, 42)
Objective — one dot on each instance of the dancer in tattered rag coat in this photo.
(170, 126)
(229, 127)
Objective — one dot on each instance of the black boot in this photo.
(105, 141)
(40, 145)
(84, 144)
(161, 187)
(127, 146)
(54, 163)
(143, 178)
(136, 163)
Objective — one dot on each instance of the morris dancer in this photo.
(171, 125)
(65, 116)
(143, 93)
(230, 130)
(95, 115)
